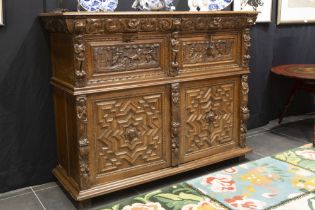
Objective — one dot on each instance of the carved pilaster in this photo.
(175, 123)
(246, 47)
(175, 49)
(83, 141)
(79, 63)
(244, 110)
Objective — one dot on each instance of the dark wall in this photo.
(274, 45)
(27, 140)
(27, 145)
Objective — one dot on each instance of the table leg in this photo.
(314, 128)
(290, 99)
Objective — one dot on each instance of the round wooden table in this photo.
(304, 76)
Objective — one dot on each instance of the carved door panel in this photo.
(204, 52)
(126, 57)
(130, 133)
(209, 118)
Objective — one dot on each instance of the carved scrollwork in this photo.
(94, 26)
(79, 64)
(175, 123)
(245, 113)
(81, 110)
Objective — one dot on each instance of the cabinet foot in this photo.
(84, 204)
(241, 158)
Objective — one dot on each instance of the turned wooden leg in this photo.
(314, 129)
(84, 204)
(290, 99)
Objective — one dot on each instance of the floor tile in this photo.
(256, 131)
(21, 202)
(253, 156)
(14, 193)
(55, 199)
(112, 197)
(302, 130)
(272, 143)
(45, 186)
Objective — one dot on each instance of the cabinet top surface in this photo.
(147, 13)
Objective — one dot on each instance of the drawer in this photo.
(126, 57)
(205, 52)
(129, 133)
(209, 118)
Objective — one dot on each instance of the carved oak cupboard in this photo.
(140, 96)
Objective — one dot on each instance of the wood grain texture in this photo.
(142, 96)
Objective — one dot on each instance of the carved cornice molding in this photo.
(99, 24)
(83, 141)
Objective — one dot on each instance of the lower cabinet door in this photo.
(209, 118)
(130, 133)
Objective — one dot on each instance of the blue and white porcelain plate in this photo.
(218, 4)
(98, 5)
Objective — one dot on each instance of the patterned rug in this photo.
(285, 181)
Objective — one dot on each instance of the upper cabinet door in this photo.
(129, 133)
(209, 118)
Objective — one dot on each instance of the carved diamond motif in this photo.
(129, 132)
(209, 116)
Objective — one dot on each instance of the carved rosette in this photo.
(244, 110)
(175, 123)
(79, 63)
(83, 140)
(246, 47)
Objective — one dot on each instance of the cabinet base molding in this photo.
(141, 179)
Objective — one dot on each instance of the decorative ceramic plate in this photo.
(98, 5)
(218, 4)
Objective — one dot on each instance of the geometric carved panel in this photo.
(129, 132)
(209, 116)
(119, 58)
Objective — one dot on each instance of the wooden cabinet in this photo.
(140, 96)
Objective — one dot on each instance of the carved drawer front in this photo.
(130, 133)
(210, 116)
(201, 52)
(129, 56)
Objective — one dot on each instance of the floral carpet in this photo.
(285, 181)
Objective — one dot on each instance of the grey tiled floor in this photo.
(267, 140)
